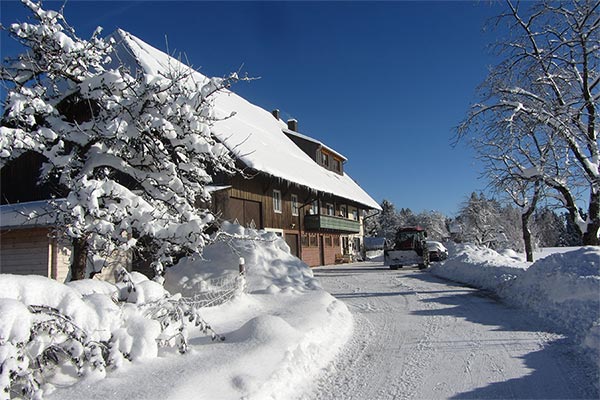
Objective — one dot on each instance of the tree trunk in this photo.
(590, 236)
(79, 259)
(527, 236)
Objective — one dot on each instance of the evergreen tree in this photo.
(549, 228)
(434, 223)
(388, 220)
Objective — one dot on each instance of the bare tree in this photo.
(539, 115)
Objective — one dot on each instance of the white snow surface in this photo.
(284, 329)
(250, 132)
(562, 286)
(279, 334)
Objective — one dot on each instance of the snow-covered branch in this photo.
(133, 151)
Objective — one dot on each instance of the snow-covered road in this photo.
(420, 337)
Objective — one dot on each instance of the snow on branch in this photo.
(133, 151)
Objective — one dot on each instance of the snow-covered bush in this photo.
(131, 152)
(52, 333)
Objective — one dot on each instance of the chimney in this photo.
(275, 114)
(292, 125)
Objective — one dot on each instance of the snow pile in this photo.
(479, 266)
(278, 335)
(52, 334)
(374, 255)
(271, 268)
(563, 288)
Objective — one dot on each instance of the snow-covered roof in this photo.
(26, 215)
(252, 134)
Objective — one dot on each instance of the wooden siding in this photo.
(118, 258)
(25, 252)
(231, 205)
(62, 255)
(34, 252)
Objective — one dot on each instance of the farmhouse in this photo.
(298, 187)
(292, 184)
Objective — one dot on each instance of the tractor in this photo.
(409, 247)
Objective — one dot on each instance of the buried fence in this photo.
(220, 290)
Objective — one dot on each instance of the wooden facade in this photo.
(33, 252)
(39, 251)
(280, 206)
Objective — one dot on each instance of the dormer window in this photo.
(337, 165)
(325, 159)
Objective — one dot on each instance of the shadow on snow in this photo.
(559, 357)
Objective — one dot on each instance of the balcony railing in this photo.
(330, 223)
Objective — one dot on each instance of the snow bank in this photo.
(563, 288)
(81, 329)
(270, 266)
(278, 335)
(479, 266)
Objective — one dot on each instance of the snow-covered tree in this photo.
(407, 217)
(548, 228)
(511, 230)
(132, 152)
(371, 223)
(388, 220)
(480, 221)
(435, 223)
(538, 119)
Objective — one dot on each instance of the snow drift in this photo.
(562, 288)
(279, 333)
(271, 268)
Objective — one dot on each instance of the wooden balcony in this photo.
(330, 223)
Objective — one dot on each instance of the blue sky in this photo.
(383, 83)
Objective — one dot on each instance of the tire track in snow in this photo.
(417, 336)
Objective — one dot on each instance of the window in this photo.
(304, 240)
(336, 241)
(277, 201)
(330, 209)
(337, 165)
(355, 215)
(294, 204)
(343, 212)
(328, 241)
(314, 207)
(325, 159)
(312, 241)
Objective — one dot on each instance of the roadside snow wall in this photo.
(563, 289)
